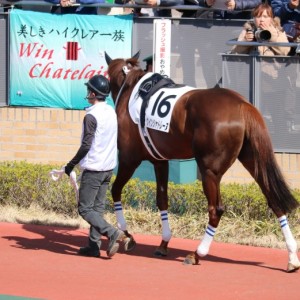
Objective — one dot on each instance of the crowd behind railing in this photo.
(271, 30)
(285, 12)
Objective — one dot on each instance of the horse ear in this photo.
(107, 58)
(137, 55)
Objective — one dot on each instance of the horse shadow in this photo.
(67, 241)
(179, 255)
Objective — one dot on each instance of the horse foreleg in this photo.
(291, 244)
(206, 241)
(162, 172)
(166, 231)
(203, 248)
(121, 222)
(129, 242)
(162, 250)
(124, 174)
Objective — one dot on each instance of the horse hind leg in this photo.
(211, 187)
(247, 159)
(291, 244)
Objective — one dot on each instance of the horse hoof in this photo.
(191, 259)
(292, 267)
(160, 252)
(129, 244)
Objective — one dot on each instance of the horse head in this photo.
(122, 65)
(119, 72)
(109, 59)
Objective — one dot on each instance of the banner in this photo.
(52, 56)
(162, 46)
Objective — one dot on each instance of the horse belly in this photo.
(173, 144)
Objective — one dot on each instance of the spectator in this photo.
(239, 9)
(72, 7)
(97, 157)
(210, 70)
(286, 10)
(164, 3)
(263, 20)
(289, 13)
(276, 91)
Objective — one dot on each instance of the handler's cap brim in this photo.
(148, 59)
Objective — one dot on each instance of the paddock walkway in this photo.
(40, 262)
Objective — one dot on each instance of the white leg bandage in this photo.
(166, 232)
(291, 244)
(204, 246)
(288, 236)
(120, 217)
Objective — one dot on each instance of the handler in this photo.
(97, 157)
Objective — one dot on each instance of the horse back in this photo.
(204, 107)
(202, 117)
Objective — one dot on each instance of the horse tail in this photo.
(266, 170)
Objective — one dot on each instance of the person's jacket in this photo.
(84, 10)
(242, 10)
(282, 10)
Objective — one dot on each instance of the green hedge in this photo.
(24, 184)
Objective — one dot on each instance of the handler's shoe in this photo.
(113, 245)
(88, 251)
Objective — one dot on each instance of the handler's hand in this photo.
(68, 169)
(249, 36)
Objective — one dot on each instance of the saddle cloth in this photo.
(160, 107)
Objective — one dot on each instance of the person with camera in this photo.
(264, 25)
(276, 91)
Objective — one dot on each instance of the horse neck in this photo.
(126, 88)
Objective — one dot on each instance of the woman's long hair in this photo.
(259, 9)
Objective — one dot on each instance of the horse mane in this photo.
(134, 76)
(135, 72)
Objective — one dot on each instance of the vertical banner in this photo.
(162, 46)
(52, 56)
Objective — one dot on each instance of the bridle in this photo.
(126, 71)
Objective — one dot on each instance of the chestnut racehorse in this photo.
(215, 126)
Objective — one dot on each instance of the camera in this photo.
(261, 35)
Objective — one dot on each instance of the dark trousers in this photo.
(92, 197)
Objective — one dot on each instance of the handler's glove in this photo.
(57, 174)
(74, 184)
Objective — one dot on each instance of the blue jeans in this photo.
(91, 206)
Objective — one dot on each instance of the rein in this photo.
(142, 129)
(125, 70)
